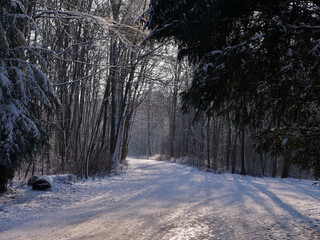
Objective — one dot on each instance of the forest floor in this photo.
(162, 200)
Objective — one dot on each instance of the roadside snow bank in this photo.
(26, 204)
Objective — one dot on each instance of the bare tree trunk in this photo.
(215, 142)
(243, 167)
(114, 75)
(149, 148)
(286, 165)
(234, 154)
(229, 142)
(274, 166)
(262, 163)
(208, 143)
(173, 121)
(93, 141)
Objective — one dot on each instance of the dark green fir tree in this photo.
(26, 93)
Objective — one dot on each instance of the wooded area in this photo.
(79, 79)
(90, 52)
(256, 66)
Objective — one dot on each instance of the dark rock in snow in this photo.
(32, 180)
(42, 183)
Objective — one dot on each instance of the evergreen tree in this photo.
(25, 92)
(259, 61)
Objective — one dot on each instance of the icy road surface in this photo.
(161, 200)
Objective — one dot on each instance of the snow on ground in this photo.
(161, 200)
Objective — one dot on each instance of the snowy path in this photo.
(160, 200)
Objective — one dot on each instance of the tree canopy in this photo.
(257, 61)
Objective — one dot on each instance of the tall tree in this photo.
(25, 92)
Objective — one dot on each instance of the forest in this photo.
(227, 86)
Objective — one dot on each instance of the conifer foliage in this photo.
(25, 91)
(255, 60)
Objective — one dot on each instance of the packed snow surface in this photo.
(161, 200)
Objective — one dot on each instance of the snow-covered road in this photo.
(161, 200)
